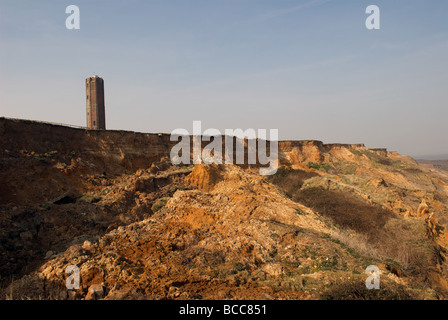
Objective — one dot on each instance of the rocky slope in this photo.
(137, 227)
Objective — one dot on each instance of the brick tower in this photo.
(96, 114)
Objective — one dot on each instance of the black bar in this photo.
(222, 309)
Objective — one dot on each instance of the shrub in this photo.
(89, 198)
(356, 290)
(318, 166)
(159, 204)
(173, 189)
(46, 206)
(372, 230)
(239, 267)
(346, 211)
(290, 181)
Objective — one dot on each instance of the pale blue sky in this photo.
(309, 68)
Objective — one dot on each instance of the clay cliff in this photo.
(138, 227)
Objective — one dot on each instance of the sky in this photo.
(309, 68)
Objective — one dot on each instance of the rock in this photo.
(273, 269)
(91, 274)
(233, 281)
(184, 296)
(173, 292)
(205, 177)
(394, 270)
(73, 252)
(431, 226)
(377, 183)
(422, 209)
(72, 295)
(154, 168)
(87, 245)
(26, 236)
(265, 296)
(47, 271)
(117, 286)
(95, 292)
(48, 254)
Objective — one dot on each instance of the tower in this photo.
(96, 114)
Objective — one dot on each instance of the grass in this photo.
(90, 198)
(406, 248)
(367, 230)
(43, 157)
(378, 160)
(219, 274)
(46, 206)
(237, 267)
(275, 236)
(346, 167)
(319, 166)
(159, 204)
(329, 264)
(39, 157)
(289, 180)
(345, 210)
(340, 240)
(355, 289)
(173, 189)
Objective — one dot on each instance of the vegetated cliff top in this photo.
(112, 204)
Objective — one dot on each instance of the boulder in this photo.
(95, 292)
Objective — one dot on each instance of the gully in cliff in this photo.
(213, 152)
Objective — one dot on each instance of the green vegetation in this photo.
(159, 204)
(238, 267)
(351, 251)
(379, 161)
(289, 180)
(329, 264)
(219, 274)
(355, 289)
(345, 167)
(39, 157)
(366, 230)
(50, 153)
(46, 206)
(89, 198)
(319, 166)
(173, 189)
(43, 157)
(275, 236)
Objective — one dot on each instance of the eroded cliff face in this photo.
(63, 157)
(303, 152)
(51, 160)
(111, 203)
(108, 150)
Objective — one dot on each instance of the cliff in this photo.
(111, 203)
(28, 147)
